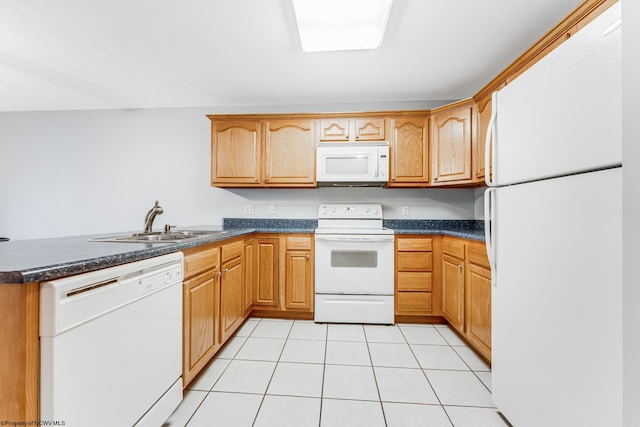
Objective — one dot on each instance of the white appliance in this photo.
(357, 164)
(111, 345)
(554, 235)
(354, 265)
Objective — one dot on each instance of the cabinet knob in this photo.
(218, 274)
(460, 267)
(226, 270)
(308, 257)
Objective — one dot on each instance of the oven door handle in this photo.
(354, 239)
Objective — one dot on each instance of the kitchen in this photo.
(127, 145)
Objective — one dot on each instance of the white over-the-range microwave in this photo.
(358, 164)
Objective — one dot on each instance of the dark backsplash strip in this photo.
(434, 224)
(275, 223)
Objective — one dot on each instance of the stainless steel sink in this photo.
(158, 237)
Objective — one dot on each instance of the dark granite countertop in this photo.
(23, 261)
(465, 228)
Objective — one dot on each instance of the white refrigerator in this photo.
(553, 214)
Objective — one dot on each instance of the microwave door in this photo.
(361, 167)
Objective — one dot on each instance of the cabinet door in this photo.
(266, 286)
(334, 130)
(298, 280)
(451, 145)
(235, 152)
(200, 322)
(478, 321)
(290, 153)
(369, 129)
(484, 115)
(409, 152)
(453, 291)
(250, 273)
(232, 313)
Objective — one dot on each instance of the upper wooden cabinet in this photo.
(409, 152)
(483, 114)
(257, 153)
(352, 130)
(289, 153)
(235, 152)
(451, 140)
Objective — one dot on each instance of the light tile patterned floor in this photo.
(279, 373)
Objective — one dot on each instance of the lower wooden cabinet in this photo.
(200, 309)
(453, 277)
(267, 272)
(200, 334)
(415, 274)
(231, 289)
(298, 283)
(250, 274)
(466, 283)
(478, 299)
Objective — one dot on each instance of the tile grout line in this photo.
(324, 370)
(427, 378)
(264, 395)
(375, 378)
(207, 393)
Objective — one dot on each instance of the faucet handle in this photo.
(167, 227)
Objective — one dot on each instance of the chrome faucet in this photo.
(151, 215)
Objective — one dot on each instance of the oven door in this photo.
(354, 264)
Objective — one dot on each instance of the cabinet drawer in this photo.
(453, 247)
(477, 254)
(415, 244)
(299, 242)
(414, 261)
(414, 281)
(200, 261)
(414, 302)
(232, 250)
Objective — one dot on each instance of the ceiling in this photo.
(78, 54)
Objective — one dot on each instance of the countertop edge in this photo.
(79, 266)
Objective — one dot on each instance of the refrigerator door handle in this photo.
(490, 141)
(489, 234)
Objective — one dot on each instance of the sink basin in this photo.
(158, 237)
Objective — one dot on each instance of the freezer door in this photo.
(557, 301)
(564, 114)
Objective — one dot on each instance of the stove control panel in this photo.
(350, 211)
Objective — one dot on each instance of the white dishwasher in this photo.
(111, 345)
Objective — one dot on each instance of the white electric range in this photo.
(354, 265)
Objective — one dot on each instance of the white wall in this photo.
(84, 172)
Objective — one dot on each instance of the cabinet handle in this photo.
(308, 257)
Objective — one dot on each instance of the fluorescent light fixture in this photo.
(329, 25)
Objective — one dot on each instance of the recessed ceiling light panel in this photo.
(330, 25)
